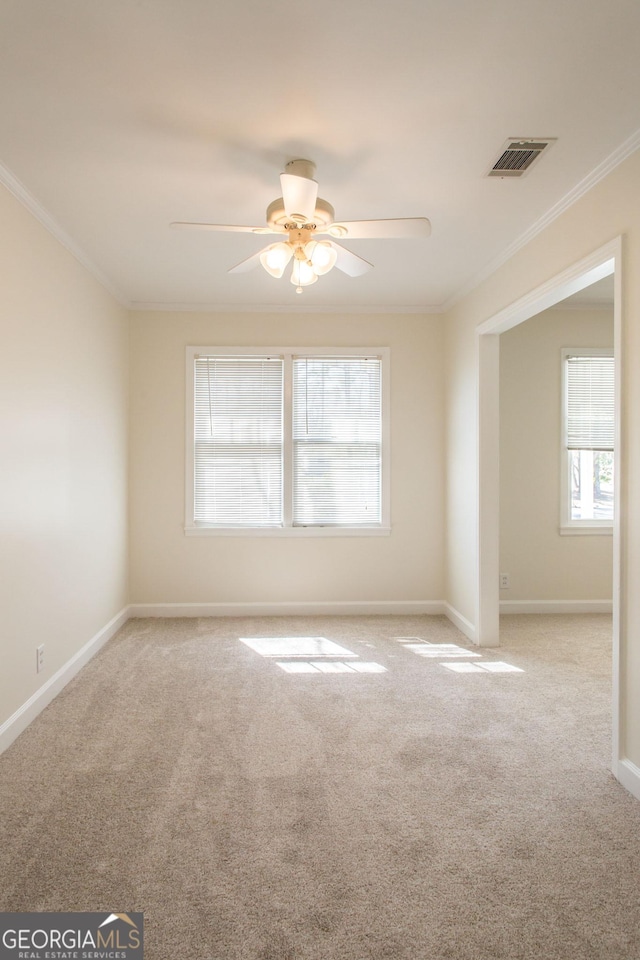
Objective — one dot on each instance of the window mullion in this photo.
(287, 471)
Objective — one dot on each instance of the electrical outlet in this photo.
(40, 658)
(504, 581)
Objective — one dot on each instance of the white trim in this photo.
(588, 528)
(556, 606)
(287, 531)
(603, 262)
(487, 631)
(291, 608)
(29, 710)
(464, 625)
(619, 490)
(619, 155)
(596, 266)
(278, 308)
(36, 209)
(629, 776)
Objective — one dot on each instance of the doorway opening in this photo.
(605, 262)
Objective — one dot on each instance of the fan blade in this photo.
(299, 195)
(245, 265)
(349, 262)
(410, 228)
(229, 228)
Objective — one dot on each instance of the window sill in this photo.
(287, 531)
(586, 529)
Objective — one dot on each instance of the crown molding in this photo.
(619, 155)
(279, 308)
(35, 208)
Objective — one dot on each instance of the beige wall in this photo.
(610, 209)
(167, 567)
(542, 564)
(63, 434)
(63, 422)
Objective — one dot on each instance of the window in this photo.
(588, 440)
(238, 441)
(289, 441)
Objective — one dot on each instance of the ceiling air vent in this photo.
(518, 156)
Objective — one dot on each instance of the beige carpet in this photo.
(253, 813)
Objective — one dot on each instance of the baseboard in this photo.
(629, 776)
(556, 606)
(356, 608)
(464, 625)
(27, 713)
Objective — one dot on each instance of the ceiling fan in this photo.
(300, 216)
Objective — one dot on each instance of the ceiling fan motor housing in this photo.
(301, 168)
(277, 219)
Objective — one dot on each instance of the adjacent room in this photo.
(319, 446)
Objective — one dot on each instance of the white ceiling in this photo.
(120, 116)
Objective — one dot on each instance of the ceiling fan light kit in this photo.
(312, 258)
(321, 255)
(301, 214)
(303, 274)
(275, 257)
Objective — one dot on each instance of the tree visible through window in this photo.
(337, 440)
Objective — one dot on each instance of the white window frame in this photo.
(193, 529)
(568, 525)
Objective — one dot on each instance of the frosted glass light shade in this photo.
(302, 274)
(321, 255)
(275, 258)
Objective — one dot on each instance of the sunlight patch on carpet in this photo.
(451, 651)
(329, 666)
(447, 650)
(463, 667)
(296, 666)
(425, 649)
(311, 655)
(296, 647)
(360, 667)
(497, 666)
(332, 666)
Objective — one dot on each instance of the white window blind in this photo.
(337, 441)
(238, 441)
(590, 403)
